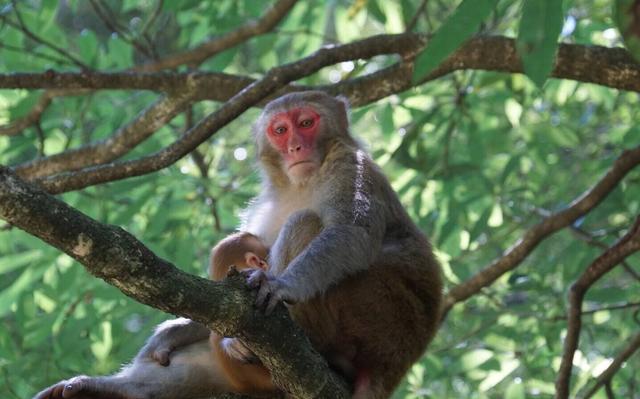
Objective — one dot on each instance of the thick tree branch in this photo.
(611, 67)
(606, 376)
(112, 254)
(521, 249)
(478, 53)
(627, 245)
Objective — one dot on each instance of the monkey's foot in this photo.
(80, 387)
(64, 389)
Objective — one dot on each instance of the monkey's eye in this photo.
(306, 123)
(280, 130)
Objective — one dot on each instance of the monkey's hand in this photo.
(271, 289)
(235, 349)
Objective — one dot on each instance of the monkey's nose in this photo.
(295, 148)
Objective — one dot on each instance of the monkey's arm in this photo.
(169, 336)
(347, 243)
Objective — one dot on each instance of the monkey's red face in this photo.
(293, 133)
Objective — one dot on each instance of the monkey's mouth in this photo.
(299, 163)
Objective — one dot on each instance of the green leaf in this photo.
(515, 391)
(374, 9)
(475, 358)
(88, 44)
(24, 106)
(23, 283)
(464, 22)
(120, 52)
(15, 261)
(540, 25)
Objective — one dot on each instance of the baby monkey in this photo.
(197, 364)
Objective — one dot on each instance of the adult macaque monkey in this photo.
(366, 288)
(359, 276)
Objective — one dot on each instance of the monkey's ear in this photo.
(345, 101)
(253, 260)
(346, 107)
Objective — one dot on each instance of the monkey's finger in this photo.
(263, 295)
(256, 279)
(273, 302)
(246, 273)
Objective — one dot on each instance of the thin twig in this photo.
(590, 239)
(23, 27)
(269, 19)
(203, 168)
(34, 53)
(40, 134)
(626, 246)
(106, 16)
(605, 377)
(120, 143)
(414, 21)
(152, 18)
(628, 160)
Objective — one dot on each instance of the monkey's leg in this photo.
(193, 373)
(402, 288)
(169, 336)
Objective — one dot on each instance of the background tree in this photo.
(133, 112)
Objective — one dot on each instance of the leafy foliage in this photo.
(476, 157)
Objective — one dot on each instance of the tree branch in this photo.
(521, 249)
(251, 95)
(112, 254)
(606, 376)
(271, 17)
(34, 115)
(611, 67)
(21, 26)
(122, 141)
(627, 245)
